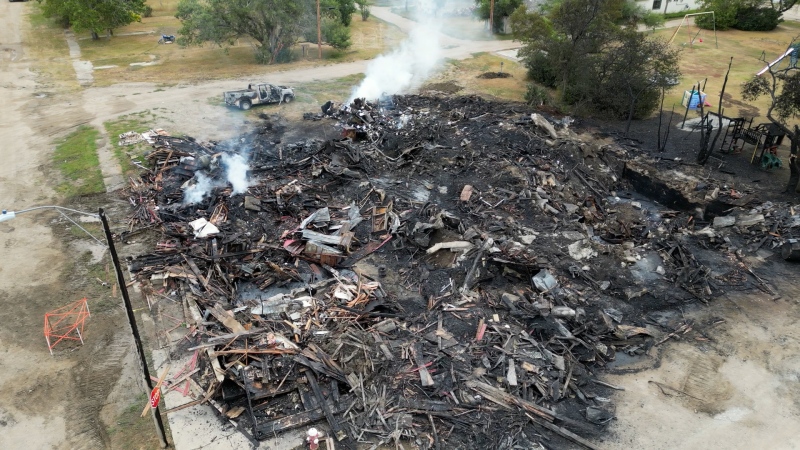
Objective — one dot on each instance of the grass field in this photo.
(703, 61)
(137, 44)
(46, 43)
(76, 158)
(465, 74)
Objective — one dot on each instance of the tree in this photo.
(502, 8)
(782, 86)
(342, 9)
(363, 8)
(336, 34)
(562, 42)
(274, 25)
(635, 68)
(94, 16)
(747, 15)
(581, 48)
(724, 14)
(783, 89)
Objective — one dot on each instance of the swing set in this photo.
(695, 36)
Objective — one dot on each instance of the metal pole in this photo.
(714, 20)
(134, 329)
(689, 102)
(319, 32)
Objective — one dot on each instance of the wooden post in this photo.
(319, 32)
(132, 322)
(491, 16)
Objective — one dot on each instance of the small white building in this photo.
(668, 6)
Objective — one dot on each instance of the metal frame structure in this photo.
(692, 38)
(60, 323)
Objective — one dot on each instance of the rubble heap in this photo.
(450, 271)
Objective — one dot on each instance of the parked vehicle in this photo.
(258, 94)
(167, 39)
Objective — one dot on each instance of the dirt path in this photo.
(31, 258)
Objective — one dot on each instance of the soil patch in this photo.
(493, 75)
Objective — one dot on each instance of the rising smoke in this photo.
(236, 168)
(406, 67)
(195, 193)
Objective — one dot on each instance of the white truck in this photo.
(258, 94)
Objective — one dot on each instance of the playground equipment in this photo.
(694, 36)
(793, 50)
(765, 139)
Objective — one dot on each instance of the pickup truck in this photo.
(258, 94)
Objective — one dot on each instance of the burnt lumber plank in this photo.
(336, 427)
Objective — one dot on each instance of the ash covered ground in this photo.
(444, 272)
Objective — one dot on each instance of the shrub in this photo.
(757, 19)
(148, 11)
(536, 95)
(680, 14)
(724, 11)
(336, 34)
(541, 70)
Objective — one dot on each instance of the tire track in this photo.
(94, 380)
(704, 383)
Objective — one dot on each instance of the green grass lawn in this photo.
(704, 61)
(125, 155)
(76, 158)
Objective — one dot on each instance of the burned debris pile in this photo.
(449, 271)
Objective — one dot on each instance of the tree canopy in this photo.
(94, 16)
(782, 86)
(502, 8)
(275, 25)
(343, 9)
(746, 15)
(590, 51)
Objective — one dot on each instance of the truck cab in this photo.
(259, 94)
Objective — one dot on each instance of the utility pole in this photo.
(132, 322)
(491, 16)
(319, 32)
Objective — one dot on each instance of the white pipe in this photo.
(788, 52)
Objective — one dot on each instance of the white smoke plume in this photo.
(196, 192)
(406, 67)
(236, 168)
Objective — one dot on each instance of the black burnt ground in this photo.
(448, 275)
